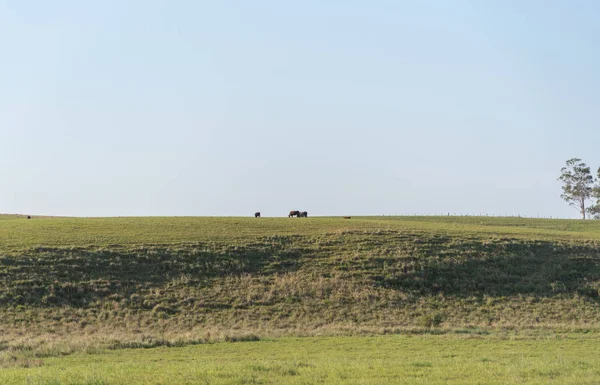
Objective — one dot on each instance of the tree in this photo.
(594, 210)
(578, 184)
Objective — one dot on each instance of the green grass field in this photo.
(77, 293)
(17, 232)
(333, 360)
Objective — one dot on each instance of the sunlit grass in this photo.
(425, 359)
(19, 233)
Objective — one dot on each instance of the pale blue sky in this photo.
(334, 107)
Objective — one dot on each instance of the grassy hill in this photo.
(84, 283)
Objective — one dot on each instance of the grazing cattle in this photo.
(303, 214)
(29, 217)
(294, 213)
(257, 214)
(347, 217)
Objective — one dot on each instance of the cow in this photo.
(294, 213)
(29, 217)
(347, 217)
(303, 214)
(257, 214)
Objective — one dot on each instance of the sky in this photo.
(224, 108)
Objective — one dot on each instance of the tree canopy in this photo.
(578, 184)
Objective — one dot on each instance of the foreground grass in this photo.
(424, 359)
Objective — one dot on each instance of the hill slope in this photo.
(139, 281)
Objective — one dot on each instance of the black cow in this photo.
(257, 214)
(29, 217)
(303, 214)
(294, 213)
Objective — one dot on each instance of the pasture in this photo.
(421, 359)
(18, 233)
(251, 300)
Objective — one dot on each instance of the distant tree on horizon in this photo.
(594, 210)
(578, 185)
